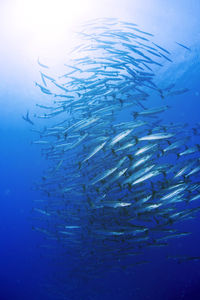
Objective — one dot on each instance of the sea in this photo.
(30, 268)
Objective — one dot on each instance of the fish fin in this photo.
(130, 157)
(162, 151)
(198, 147)
(113, 151)
(129, 186)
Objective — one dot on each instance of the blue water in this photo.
(26, 272)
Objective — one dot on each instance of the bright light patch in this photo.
(42, 25)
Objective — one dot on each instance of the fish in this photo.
(145, 149)
(138, 174)
(72, 227)
(146, 176)
(140, 161)
(178, 92)
(44, 76)
(187, 151)
(27, 118)
(184, 258)
(187, 48)
(155, 136)
(42, 65)
(161, 48)
(108, 172)
(151, 111)
(196, 197)
(114, 204)
(172, 194)
(176, 235)
(183, 170)
(173, 146)
(104, 175)
(193, 171)
(42, 211)
(167, 58)
(43, 89)
(124, 147)
(119, 137)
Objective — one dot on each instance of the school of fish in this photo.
(120, 177)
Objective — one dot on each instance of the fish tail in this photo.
(135, 114)
(198, 147)
(136, 139)
(129, 186)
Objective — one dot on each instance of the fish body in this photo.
(156, 136)
(140, 161)
(96, 150)
(146, 176)
(151, 111)
(145, 149)
(119, 137)
(188, 151)
(187, 48)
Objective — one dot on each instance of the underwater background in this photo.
(27, 270)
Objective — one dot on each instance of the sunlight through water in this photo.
(43, 26)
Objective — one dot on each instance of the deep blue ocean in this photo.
(29, 271)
